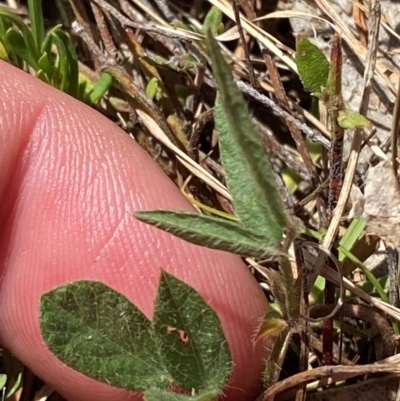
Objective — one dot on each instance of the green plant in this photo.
(319, 78)
(261, 220)
(79, 320)
(250, 179)
(20, 44)
(85, 323)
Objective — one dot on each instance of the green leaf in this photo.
(349, 119)
(46, 65)
(99, 332)
(37, 23)
(152, 88)
(20, 48)
(351, 235)
(213, 21)
(13, 370)
(25, 31)
(100, 88)
(162, 395)
(40, 74)
(5, 24)
(212, 232)
(83, 88)
(47, 43)
(3, 51)
(249, 175)
(60, 78)
(67, 62)
(72, 61)
(3, 380)
(312, 65)
(193, 345)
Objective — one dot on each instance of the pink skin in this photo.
(70, 181)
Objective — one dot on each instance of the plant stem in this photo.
(335, 104)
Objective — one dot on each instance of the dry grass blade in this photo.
(189, 163)
(257, 33)
(169, 31)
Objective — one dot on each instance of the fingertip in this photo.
(76, 181)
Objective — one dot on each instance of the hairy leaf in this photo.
(249, 175)
(312, 65)
(192, 342)
(272, 324)
(99, 332)
(212, 232)
(213, 21)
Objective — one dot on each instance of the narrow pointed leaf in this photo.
(61, 73)
(37, 24)
(46, 65)
(25, 31)
(99, 332)
(18, 44)
(192, 343)
(213, 21)
(249, 175)
(71, 61)
(212, 232)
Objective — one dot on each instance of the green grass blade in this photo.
(351, 235)
(249, 175)
(209, 231)
(37, 23)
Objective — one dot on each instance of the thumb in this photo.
(70, 181)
